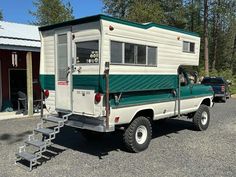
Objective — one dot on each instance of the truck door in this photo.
(63, 79)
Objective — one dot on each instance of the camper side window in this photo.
(188, 47)
(127, 53)
(152, 55)
(87, 52)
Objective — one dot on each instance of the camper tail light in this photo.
(46, 93)
(98, 97)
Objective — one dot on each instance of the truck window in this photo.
(87, 52)
(212, 81)
(183, 79)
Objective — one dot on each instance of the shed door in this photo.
(63, 71)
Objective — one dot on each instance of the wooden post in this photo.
(41, 105)
(29, 83)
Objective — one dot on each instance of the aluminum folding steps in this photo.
(45, 131)
(36, 143)
(41, 145)
(27, 156)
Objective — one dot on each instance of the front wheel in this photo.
(201, 118)
(138, 134)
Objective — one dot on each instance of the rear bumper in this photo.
(89, 123)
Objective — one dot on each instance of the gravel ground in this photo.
(175, 150)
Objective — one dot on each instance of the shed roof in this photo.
(19, 36)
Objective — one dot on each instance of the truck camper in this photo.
(100, 74)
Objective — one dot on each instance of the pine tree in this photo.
(117, 8)
(51, 11)
(146, 11)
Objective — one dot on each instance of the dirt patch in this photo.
(233, 96)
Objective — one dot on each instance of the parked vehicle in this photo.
(102, 74)
(220, 87)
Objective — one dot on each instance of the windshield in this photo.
(212, 81)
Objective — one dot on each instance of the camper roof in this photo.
(116, 20)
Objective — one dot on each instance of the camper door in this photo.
(63, 70)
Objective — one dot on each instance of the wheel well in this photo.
(206, 102)
(149, 113)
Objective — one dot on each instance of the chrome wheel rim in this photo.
(141, 134)
(204, 118)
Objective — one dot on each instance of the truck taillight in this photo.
(98, 97)
(46, 93)
(222, 88)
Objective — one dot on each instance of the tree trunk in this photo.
(192, 16)
(233, 65)
(206, 50)
(215, 41)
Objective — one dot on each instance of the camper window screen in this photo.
(141, 56)
(188, 47)
(62, 55)
(87, 52)
(116, 52)
(152, 55)
(129, 53)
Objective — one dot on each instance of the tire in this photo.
(201, 118)
(91, 135)
(223, 99)
(138, 134)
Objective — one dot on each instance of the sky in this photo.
(18, 10)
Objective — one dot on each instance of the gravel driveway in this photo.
(175, 150)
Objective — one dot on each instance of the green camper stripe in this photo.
(86, 82)
(140, 98)
(128, 83)
(118, 83)
(47, 81)
(125, 83)
(135, 89)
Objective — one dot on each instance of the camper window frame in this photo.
(87, 40)
(135, 60)
(189, 47)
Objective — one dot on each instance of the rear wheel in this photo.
(223, 99)
(201, 118)
(138, 134)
